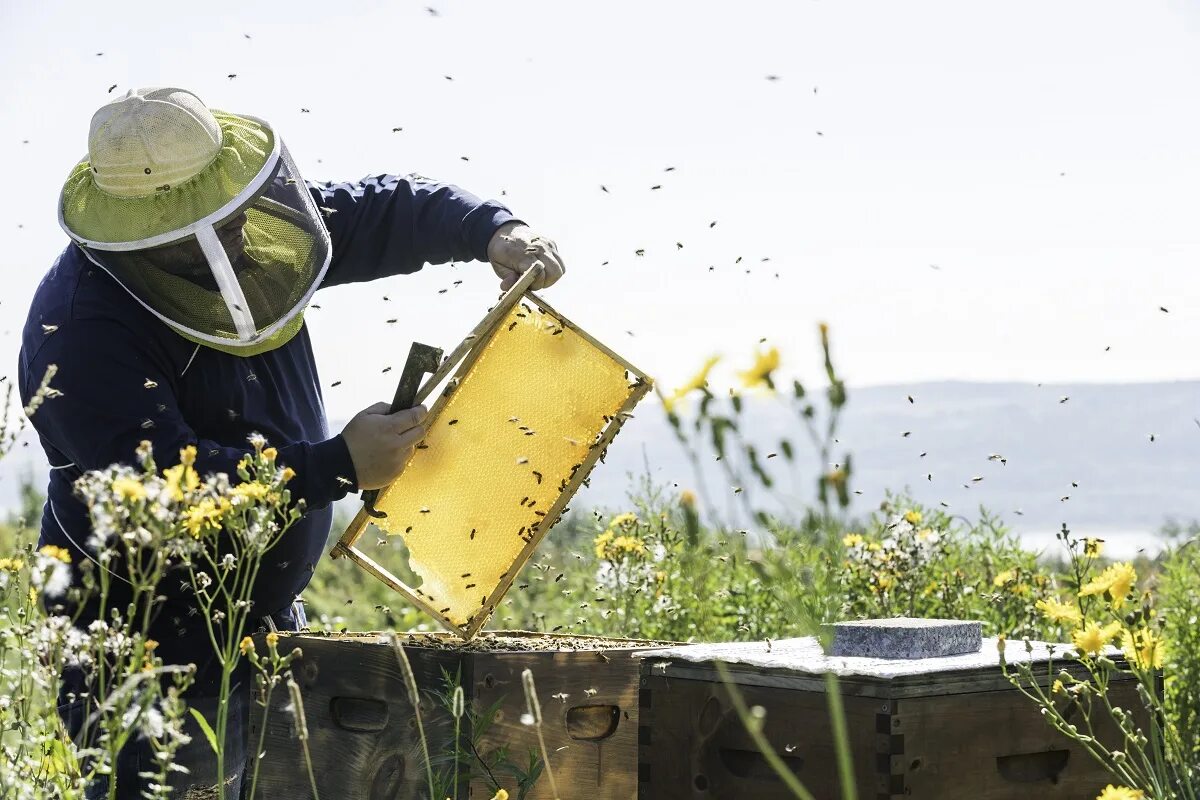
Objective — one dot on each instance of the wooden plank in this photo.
(693, 744)
(996, 746)
(589, 703)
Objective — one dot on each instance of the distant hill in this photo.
(1099, 438)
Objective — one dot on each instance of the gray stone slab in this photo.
(906, 638)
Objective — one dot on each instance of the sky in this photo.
(962, 190)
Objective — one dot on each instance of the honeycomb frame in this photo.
(462, 360)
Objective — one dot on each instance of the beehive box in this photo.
(934, 729)
(363, 734)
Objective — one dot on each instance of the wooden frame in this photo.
(465, 356)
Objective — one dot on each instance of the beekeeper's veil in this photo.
(201, 216)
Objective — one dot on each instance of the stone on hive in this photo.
(906, 637)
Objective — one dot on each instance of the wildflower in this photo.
(601, 543)
(246, 646)
(852, 540)
(913, 517)
(688, 498)
(628, 544)
(1004, 578)
(272, 639)
(760, 372)
(1057, 687)
(621, 520)
(181, 479)
(1120, 793)
(1143, 648)
(1092, 638)
(204, 516)
(1001, 640)
(251, 490)
(287, 474)
(270, 453)
(57, 553)
(1117, 580)
(11, 564)
(1060, 612)
(885, 582)
(1093, 547)
(699, 380)
(128, 488)
(501, 794)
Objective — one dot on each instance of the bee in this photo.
(335, 384)
(452, 422)
(48, 329)
(149, 384)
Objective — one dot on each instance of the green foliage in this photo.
(1179, 603)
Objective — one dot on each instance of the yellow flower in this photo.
(628, 544)
(912, 517)
(924, 534)
(11, 564)
(128, 488)
(1117, 581)
(151, 645)
(252, 490)
(1120, 793)
(181, 479)
(885, 582)
(59, 553)
(1057, 687)
(874, 547)
(187, 456)
(288, 474)
(1143, 648)
(852, 540)
(270, 453)
(760, 373)
(698, 380)
(501, 794)
(1093, 547)
(601, 543)
(1092, 638)
(688, 498)
(624, 520)
(1060, 612)
(1008, 576)
(247, 646)
(272, 639)
(205, 515)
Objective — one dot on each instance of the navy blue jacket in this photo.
(107, 347)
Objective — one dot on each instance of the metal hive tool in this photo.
(532, 405)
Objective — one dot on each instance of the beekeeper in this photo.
(176, 315)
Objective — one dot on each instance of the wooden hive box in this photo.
(363, 734)
(934, 729)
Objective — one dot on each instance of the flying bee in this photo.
(149, 384)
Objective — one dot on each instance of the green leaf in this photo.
(204, 726)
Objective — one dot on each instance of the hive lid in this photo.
(532, 406)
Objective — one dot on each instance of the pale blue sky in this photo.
(945, 130)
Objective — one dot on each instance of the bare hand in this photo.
(380, 443)
(515, 248)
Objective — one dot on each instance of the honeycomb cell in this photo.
(499, 453)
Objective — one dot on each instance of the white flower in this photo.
(228, 562)
(152, 724)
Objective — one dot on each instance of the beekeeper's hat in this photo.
(201, 215)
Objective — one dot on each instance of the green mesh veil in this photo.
(227, 258)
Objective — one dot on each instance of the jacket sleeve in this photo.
(117, 390)
(389, 225)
